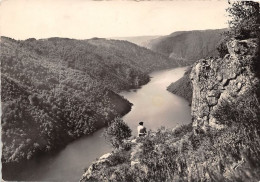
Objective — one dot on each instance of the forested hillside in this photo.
(182, 87)
(188, 46)
(55, 90)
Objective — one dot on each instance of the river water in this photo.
(152, 104)
(155, 106)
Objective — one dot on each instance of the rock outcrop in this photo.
(121, 157)
(217, 80)
(101, 162)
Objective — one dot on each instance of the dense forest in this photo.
(56, 90)
(182, 87)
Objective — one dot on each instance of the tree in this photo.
(245, 19)
(244, 23)
(117, 132)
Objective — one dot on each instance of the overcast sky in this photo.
(81, 19)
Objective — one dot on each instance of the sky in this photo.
(83, 19)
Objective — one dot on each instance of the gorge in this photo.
(79, 77)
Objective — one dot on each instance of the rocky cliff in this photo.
(217, 81)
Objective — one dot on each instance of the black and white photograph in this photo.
(130, 91)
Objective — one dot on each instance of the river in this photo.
(152, 104)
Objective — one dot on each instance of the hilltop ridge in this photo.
(188, 46)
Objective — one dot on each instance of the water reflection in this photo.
(154, 105)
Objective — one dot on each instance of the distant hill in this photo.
(188, 46)
(139, 40)
(55, 90)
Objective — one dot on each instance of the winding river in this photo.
(152, 104)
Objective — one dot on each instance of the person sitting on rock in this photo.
(141, 129)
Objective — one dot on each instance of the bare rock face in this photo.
(215, 80)
(102, 162)
(129, 159)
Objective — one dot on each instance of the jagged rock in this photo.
(224, 82)
(212, 101)
(134, 153)
(219, 77)
(213, 93)
(216, 80)
(104, 157)
(101, 162)
(94, 172)
(133, 141)
(239, 86)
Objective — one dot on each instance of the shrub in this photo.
(244, 23)
(222, 48)
(245, 19)
(119, 158)
(33, 99)
(244, 110)
(117, 132)
(182, 130)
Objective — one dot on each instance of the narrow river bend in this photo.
(155, 106)
(152, 104)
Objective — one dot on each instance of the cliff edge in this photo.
(217, 82)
